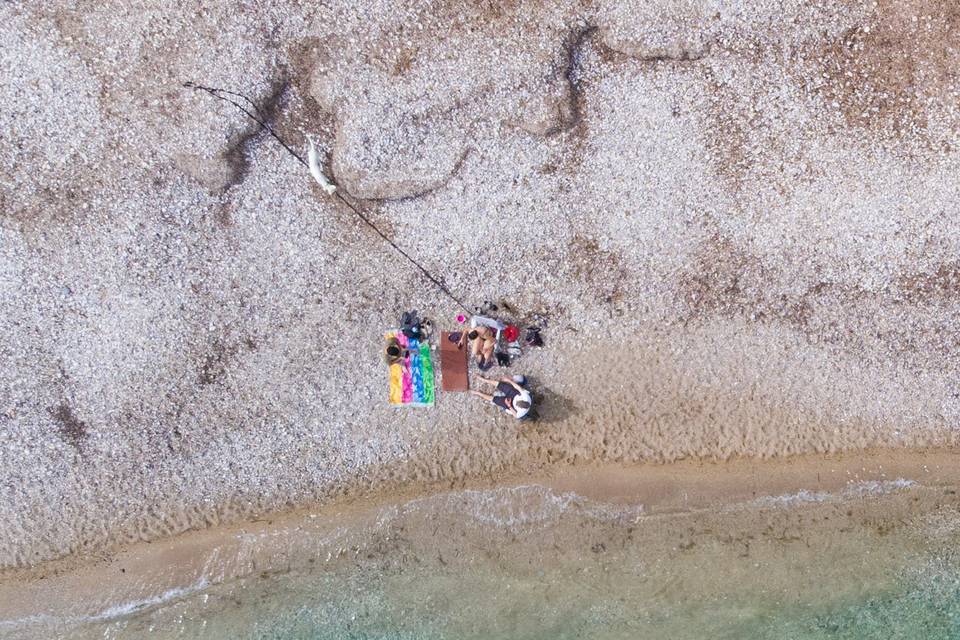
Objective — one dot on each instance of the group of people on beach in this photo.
(510, 393)
(481, 337)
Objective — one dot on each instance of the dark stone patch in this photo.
(683, 56)
(548, 169)
(887, 76)
(744, 138)
(215, 362)
(404, 61)
(267, 111)
(727, 281)
(52, 206)
(222, 214)
(942, 283)
(71, 429)
(601, 270)
(570, 115)
(727, 140)
(304, 108)
(718, 280)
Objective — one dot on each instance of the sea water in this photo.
(529, 562)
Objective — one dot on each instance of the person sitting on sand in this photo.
(394, 353)
(511, 395)
(484, 332)
(483, 340)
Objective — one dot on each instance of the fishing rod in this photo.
(258, 117)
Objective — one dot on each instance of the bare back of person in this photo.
(483, 341)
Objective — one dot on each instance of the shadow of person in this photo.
(551, 407)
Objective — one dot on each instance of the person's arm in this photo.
(512, 383)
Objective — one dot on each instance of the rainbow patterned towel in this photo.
(411, 381)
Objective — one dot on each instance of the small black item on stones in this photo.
(533, 338)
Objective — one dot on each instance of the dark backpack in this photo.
(533, 338)
(410, 325)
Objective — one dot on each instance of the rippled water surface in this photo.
(526, 562)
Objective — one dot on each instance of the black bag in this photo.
(533, 338)
(410, 325)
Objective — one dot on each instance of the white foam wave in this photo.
(127, 608)
(513, 508)
(853, 490)
(877, 487)
(789, 499)
(114, 612)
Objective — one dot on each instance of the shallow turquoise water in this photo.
(526, 563)
(915, 610)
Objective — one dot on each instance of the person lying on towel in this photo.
(510, 395)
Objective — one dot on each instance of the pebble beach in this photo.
(736, 221)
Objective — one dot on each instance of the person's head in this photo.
(473, 334)
(393, 351)
(522, 407)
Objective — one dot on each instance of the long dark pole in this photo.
(224, 94)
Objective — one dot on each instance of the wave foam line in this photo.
(110, 613)
(853, 490)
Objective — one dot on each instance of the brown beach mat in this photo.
(453, 365)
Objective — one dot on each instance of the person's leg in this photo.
(480, 394)
(475, 348)
(488, 347)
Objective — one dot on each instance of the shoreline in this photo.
(146, 572)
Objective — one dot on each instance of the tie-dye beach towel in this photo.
(411, 380)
